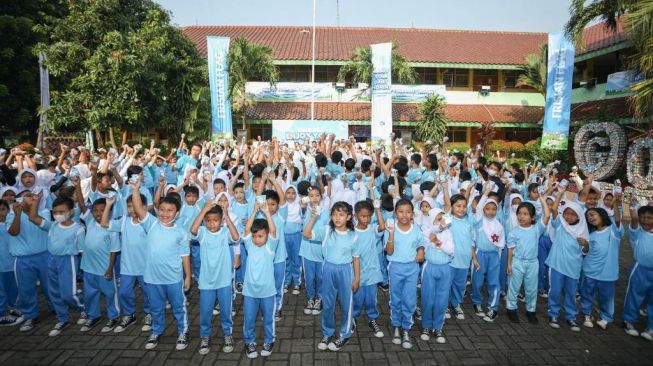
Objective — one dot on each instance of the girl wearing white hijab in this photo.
(565, 260)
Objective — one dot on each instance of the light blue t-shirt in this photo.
(525, 241)
(119, 207)
(482, 242)
(31, 239)
(414, 175)
(312, 249)
(370, 268)
(165, 247)
(565, 256)
(132, 245)
(64, 240)
(98, 245)
(6, 259)
(215, 256)
(259, 274)
(337, 247)
(127, 191)
(281, 254)
(642, 243)
(242, 210)
(463, 239)
(406, 244)
(188, 214)
(602, 261)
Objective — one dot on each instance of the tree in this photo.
(433, 123)
(248, 61)
(119, 64)
(359, 67)
(485, 134)
(534, 72)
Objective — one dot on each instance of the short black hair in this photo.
(171, 199)
(215, 210)
(321, 160)
(363, 205)
(4, 203)
(336, 157)
(63, 201)
(134, 169)
(219, 181)
(239, 185)
(272, 195)
(260, 224)
(350, 164)
(143, 198)
(645, 210)
(100, 201)
(416, 158)
(402, 168)
(303, 187)
(191, 190)
(404, 202)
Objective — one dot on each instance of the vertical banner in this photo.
(218, 49)
(557, 110)
(381, 93)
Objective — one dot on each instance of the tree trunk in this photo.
(111, 139)
(123, 138)
(98, 137)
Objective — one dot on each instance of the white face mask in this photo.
(61, 218)
(492, 173)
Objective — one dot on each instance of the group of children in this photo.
(264, 218)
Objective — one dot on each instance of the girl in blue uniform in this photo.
(601, 264)
(311, 254)
(340, 272)
(405, 248)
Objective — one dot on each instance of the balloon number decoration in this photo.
(599, 149)
(640, 170)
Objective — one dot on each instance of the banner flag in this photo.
(218, 49)
(381, 93)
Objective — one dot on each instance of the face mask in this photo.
(492, 173)
(61, 218)
(171, 221)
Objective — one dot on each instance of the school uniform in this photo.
(490, 241)
(462, 232)
(8, 289)
(436, 281)
(30, 250)
(524, 244)
(403, 271)
(640, 280)
(64, 243)
(280, 255)
(187, 216)
(543, 250)
(601, 271)
(293, 238)
(338, 249)
(259, 289)
(370, 272)
(97, 247)
(132, 263)
(242, 211)
(312, 259)
(164, 274)
(215, 278)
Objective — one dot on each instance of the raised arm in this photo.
(546, 214)
(194, 229)
(138, 205)
(106, 214)
(79, 196)
(616, 206)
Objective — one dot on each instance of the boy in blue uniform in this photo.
(65, 237)
(167, 266)
(259, 290)
(215, 277)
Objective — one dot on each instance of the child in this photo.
(405, 248)
(259, 291)
(601, 264)
(293, 238)
(215, 277)
(544, 248)
(570, 244)
(640, 286)
(190, 208)
(243, 209)
(65, 238)
(510, 222)
(167, 271)
(8, 289)
(461, 230)
(370, 268)
(132, 262)
(311, 253)
(486, 258)
(522, 266)
(341, 252)
(436, 279)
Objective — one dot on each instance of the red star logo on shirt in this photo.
(495, 238)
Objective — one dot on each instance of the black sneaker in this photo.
(228, 344)
(425, 335)
(9, 320)
(338, 344)
(152, 342)
(147, 323)
(267, 349)
(182, 342)
(308, 309)
(277, 316)
(239, 288)
(554, 323)
(512, 315)
(250, 350)
(110, 325)
(396, 336)
(384, 287)
(406, 342)
(573, 326)
(205, 344)
(89, 324)
(82, 318)
(418, 313)
(354, 324)
(439, 336)
(317, 307)
(490, 316)
(58, 328)
(125, 321)
(478, 309)
(521, 297)
(532, 317)
(324, 343)
(376, 329)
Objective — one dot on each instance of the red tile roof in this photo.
(601, 109)
(404, 112)
(417, 45)
(598, 36)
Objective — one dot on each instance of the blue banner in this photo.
(218, 49)
(381, 93)
(620, 82)
(557, 110)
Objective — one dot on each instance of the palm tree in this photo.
(534, 71)
(248, 61)
(360, 67)
(582, 13)
(433, 124)
(197, 125)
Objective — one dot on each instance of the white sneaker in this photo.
(27, 325)
(648, 334)
(58, 328)
(588, 322)
(602, 323)
(147, 323)
(460, 315)
(295, 290)
(82, 318)
(630, 329)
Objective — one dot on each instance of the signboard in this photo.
(621, 81)
(218, 49)
(557, 112)
(415, 93)
(381, 92)
(287, 91)
(300, 130)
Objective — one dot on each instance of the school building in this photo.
(476, 71)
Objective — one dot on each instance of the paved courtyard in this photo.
(469, 342)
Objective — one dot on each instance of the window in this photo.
(486, 77)
(522, 135)
(265, 131)
(457, 134)
(295, 73)
(456, 78)
(425, 75)
(325, 74)
(510, 78)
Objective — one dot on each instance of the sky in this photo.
(500, 15)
